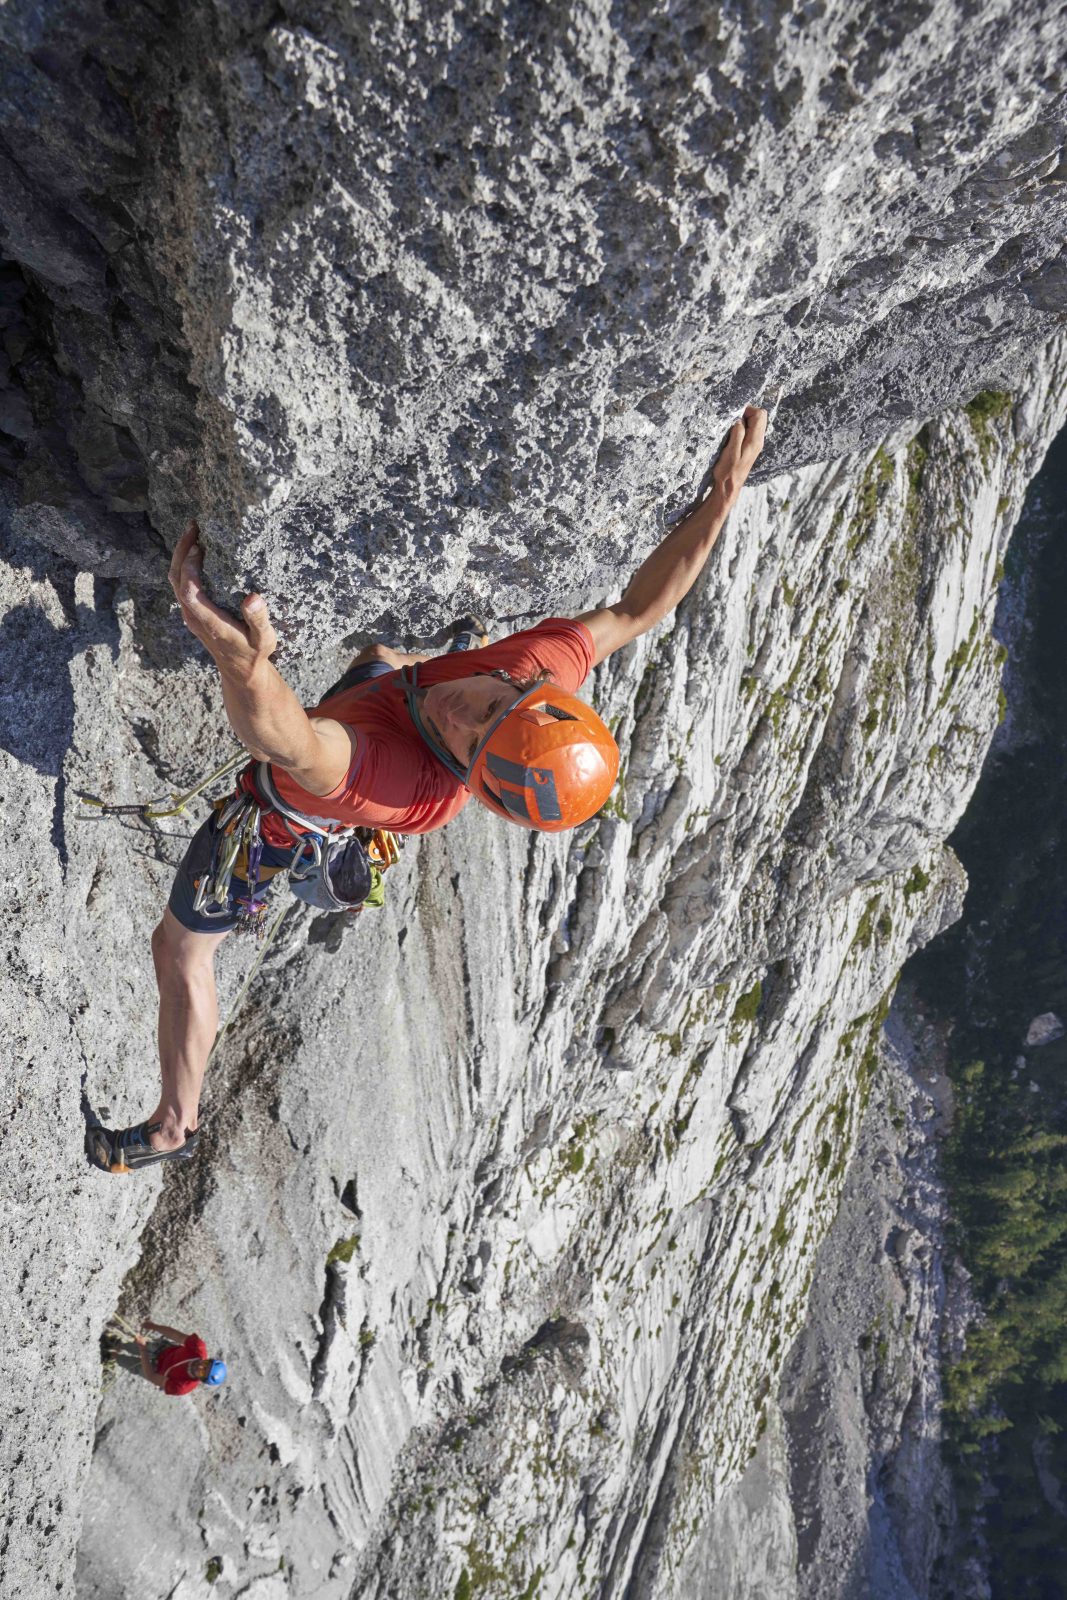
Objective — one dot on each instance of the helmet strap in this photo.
(445, 757)
(524, 695)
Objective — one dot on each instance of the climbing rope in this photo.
(172, 805)
(265, 944)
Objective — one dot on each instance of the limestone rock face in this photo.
(577, 1111)
(420, 306)
(848, 1494)
(507, 1210)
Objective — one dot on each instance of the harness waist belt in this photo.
(271, 800)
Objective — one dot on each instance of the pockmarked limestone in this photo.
(507, 1211)
(423, 307)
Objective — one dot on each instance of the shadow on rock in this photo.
(36, 697)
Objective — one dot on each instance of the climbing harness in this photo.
(330, 868)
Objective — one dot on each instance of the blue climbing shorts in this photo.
(197, 859)
(357, 674)
(195, 863)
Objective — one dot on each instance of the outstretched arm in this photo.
(669, 573)
(174, 1334)
(264, 712)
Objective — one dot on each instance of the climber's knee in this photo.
(378, 652)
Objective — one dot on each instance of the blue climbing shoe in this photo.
(469, 633)
(129, 1149)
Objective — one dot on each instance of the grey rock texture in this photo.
(848, 1495)
(1045, 1029)
(881, 1532)
(587, 1104)
(414, 305)
(418, 311)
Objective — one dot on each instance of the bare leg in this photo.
(188, 1023)
(383, 652)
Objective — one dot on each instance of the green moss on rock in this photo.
(878, 473)
(982, 413)
(747, 1008)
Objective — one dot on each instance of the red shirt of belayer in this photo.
(174, 1361)
(182, 1365)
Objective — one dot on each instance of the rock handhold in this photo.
(1044, 1029)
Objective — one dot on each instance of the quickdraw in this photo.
(239, 828)
(239, 841)
(237, 832)
(383, 848)
(169, 806)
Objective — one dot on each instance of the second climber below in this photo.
(402, 742)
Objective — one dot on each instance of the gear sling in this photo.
(330, 868)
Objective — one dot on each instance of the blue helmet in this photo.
(216, 1374)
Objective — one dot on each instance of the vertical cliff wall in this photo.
(416, 311)
(579, 1115)
(915, 1352)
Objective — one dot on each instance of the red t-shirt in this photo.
(394, 780)
(174, 1360)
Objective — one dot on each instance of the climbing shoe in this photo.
(128, 1149)
(469, 633)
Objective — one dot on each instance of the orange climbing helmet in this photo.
(548, 762)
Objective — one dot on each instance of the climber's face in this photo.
(460, 713)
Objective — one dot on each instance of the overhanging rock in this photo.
(423, 307)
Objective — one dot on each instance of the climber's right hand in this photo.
(738, 456)
(236, 644)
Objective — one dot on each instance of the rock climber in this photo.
(402, 742)
(182, 1364)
